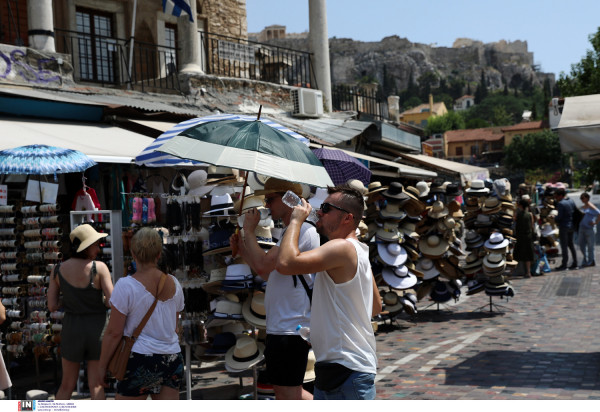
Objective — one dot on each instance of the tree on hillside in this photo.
(481, 92)
(534, 151)
(440, 124)
(585, 76)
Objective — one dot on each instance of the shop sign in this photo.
(49, 191)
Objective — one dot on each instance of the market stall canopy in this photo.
(579, 126)
(465, 172)
(101, 142)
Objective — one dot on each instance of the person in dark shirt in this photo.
(565, 207)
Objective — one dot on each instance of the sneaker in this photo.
(573, 266)
(561, 267)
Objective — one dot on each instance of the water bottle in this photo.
(291, 199)
(304, 331)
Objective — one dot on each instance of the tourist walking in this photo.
(565, 207)
(345, 295)
(586, 235)
(155, 366)
(287, 301)
(86, 288)
(524, 227)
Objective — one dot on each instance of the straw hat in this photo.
(433, 246)
(389, 232)
(491, 205)
(375, 187)
(423, 188)
(426, 266)
(254, 310)
(274, 185)
(392, 211)
(245, 354)
(87, 235)
(392, 302)
(438, 210)
(358, 185)
(495, 242)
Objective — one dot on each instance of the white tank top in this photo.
(340, 325)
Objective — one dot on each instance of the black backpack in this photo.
(577, 216)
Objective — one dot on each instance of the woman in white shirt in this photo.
(155, 366)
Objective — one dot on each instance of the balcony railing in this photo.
(245, 59)
(105, 60)
(362, 100)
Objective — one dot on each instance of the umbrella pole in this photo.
(237, 229)
(259, 110)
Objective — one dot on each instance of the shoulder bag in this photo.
(118, 362)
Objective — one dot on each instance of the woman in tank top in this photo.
(86, 286)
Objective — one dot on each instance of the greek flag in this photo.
(176, 7)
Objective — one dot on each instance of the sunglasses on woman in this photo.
(327, 207)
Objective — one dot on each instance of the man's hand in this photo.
(251, 219)
(301, 212)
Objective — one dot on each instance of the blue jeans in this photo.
(358, 386)
(587, 238)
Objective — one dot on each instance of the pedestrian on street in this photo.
(287, 302)
(155, 366)
(565, 207)
(82, 281)
(345, 296)
(524, 226)
(587, 230)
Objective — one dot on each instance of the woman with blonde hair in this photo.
(155, 366)
(82, 281)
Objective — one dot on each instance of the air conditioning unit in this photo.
(307, 103)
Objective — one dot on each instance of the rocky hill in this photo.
(352, 60)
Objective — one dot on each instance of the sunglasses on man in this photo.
(327, 207)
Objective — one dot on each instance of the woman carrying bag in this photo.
(524, 231)
(155, 366)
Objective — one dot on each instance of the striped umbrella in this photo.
(39, 159)
(151, 157)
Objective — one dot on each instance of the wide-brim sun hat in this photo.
(392, 211)
(395, 191)
(477, 188)
(392, 253)
(392, 303)
(426, 266)
(433, 246)
(496, 241)
(87, 235)
(274, 185)
(375, 187)
(438, 210)
(399, 277)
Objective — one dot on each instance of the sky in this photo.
(556, 32)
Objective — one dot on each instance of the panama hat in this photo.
(495, 242)
(220, 205)
(274, 185)
(399, 277)
(423, 188)
(392, 302)
(475, 286)
(433, 246)
(388, 233)
(227, 309)
(494, 261)
(472, 204)
(472, 263)
(197, 183)
(413, 192)
(438, 210)
(477, 188)
(254, 310)
(246, 353)
(358, 185)
(220, 175)
(375, 187)
(392, 253)
(491, 205)
(426, 266)
(264, 236)
(473, 240)
(251, 201)
(482, 220)
(409, 229)
(87, 235)
(392, 211)
(395, 191)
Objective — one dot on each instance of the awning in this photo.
(465, 172)
(102, 142)
(579, 126)
(402, 170)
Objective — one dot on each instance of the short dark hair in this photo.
(352, 200)
(586, 195)
(524, 203)
(560, 192)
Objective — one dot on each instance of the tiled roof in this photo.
(469, 135)
(436, 108)
(524, 126)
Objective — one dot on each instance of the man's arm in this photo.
(377, 305)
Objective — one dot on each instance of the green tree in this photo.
(534, 151)
(585, 75)
(440, 124)
(426, 82)
(481, 92)
(501, 117)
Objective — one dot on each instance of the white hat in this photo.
(318, 198)
(392, 253)
(423, 188)
(399, 277)
(87, 235)
(222, 204)
(254, 310)
(426, 266)
(496, 241)
(245, 354)
(197, 183)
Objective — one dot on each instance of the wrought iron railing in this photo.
(359, 99)
(245, 59)
(105, 60)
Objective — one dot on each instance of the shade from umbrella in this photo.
(342, 167)
(250, 145)
(39, 159)
(153, 158)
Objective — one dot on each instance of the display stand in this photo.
(496, 306)
(111, 224)
(438, 306)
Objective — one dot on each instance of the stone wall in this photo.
(225, 17)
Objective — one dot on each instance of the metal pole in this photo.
(131, 39)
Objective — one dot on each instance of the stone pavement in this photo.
(542, 344)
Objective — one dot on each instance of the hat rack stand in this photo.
(498, 308)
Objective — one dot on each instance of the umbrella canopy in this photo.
(579, 126)
(152, 158)
(247, 144)
(39, 159)
(342, 167)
